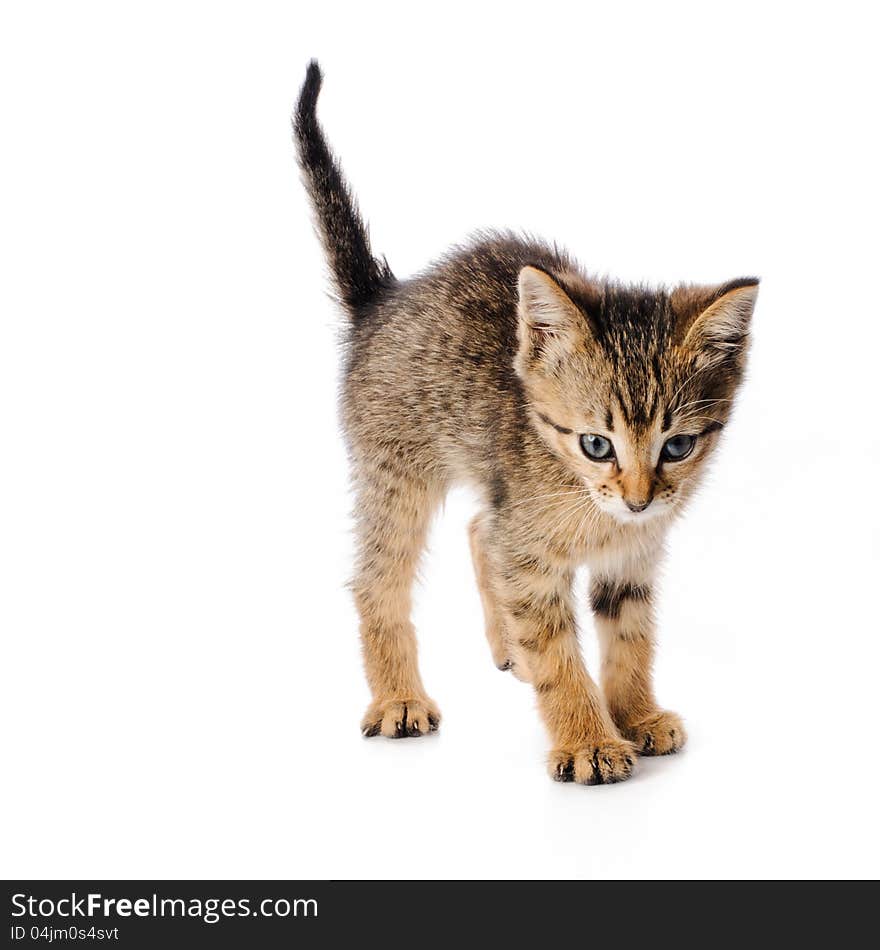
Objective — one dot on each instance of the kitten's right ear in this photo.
(551, 325)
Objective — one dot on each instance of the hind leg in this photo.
(491, 610)
(394, 507)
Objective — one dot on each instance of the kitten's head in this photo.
(631, 387)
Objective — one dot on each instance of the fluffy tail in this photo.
(359, 276)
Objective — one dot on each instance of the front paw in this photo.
(603, 762)
(661, 733)
(401, 718)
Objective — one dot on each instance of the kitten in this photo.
(583, 412)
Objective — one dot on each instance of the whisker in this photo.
(560, 494)
(710, 365)
(697, 402)
(693, 418)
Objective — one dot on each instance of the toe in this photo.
(659, 734)
(605, 763)
(400, 719)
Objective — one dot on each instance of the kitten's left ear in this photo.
(716, 318)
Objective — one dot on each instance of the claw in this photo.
(565, 771)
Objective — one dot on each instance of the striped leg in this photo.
(625, 621)
(535, 602)
(392, 515)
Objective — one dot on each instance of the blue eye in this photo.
(597, 448)
(678, 447)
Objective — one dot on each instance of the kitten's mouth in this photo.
(625, 515)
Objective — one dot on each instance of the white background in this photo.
(181, 688)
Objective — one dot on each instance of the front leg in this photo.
(535, 599)
(624, 616)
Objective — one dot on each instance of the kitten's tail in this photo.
(359, 276)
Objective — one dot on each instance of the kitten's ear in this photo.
(550, 324)
(716, 318)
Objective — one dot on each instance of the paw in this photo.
(602, 762)
(400, 718)
(661, 733)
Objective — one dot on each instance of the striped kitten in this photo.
(582, 412)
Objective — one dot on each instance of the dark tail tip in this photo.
(358, 275)
(308, 97)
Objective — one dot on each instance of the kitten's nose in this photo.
(638, 508)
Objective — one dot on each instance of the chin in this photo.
(650, 515)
